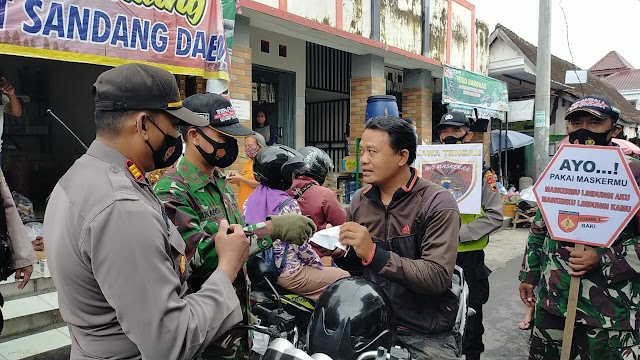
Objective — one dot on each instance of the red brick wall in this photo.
(416, 104)
(240, 88)
(361, 89)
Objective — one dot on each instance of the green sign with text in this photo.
(468, 89)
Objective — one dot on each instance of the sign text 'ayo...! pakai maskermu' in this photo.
(587, 194)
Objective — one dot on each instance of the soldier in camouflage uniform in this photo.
(607, 322)
(196, 197)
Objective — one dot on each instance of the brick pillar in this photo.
(240, 89)
(361, 89)
(417, 96)
(416, 104)
(367, 79)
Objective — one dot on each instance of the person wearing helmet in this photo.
(353, 316)
(197, 198)
(316, 201)
(403, 231)
(299, 266)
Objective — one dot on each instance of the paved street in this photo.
(503, 339)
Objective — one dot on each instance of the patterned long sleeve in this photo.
(530, 271)
(298, 255)
(189, 225)
(621, 261)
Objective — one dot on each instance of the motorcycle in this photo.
(281, 349)
(284, 316)
(286, 313)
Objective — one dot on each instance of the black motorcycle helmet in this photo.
(320, 163)
(352, 316)
(275, 166)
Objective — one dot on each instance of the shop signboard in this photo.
(185, 36)
(465, 89)
(457, 168)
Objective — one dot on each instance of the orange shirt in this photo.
(245, 190)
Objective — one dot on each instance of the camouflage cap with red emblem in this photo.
(219, 113)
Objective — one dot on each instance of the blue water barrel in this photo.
(381, 105)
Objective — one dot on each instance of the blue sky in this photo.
(595, 27)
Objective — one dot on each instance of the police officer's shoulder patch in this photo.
(121, 184)
(490, 177)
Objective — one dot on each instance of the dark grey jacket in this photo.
(416, 238)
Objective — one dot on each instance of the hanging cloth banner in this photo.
(183, 36)
(464, 89)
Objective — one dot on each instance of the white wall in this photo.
(560, 127)
(500, 50)
(481, 61)
(356, 17)
(632, 95)
(401, 26)
(322, 11)
(294, 62)
(272, 3)
(461, 36)
(438, 29)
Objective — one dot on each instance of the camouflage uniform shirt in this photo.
(609, 294)
(196, 203)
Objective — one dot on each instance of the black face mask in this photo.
(449, 140)
(588, 137)
(223, 155)
(168, 152)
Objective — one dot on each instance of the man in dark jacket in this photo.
(403, 232)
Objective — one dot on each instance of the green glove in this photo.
(292, 228)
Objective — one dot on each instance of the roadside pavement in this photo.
(503, 339)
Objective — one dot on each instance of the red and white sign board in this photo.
(587, 194)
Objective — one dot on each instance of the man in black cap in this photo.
(474, 235)
(118, 263)
(607, 319)
(197, 198)
(592, 120)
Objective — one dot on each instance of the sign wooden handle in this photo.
(570, 320)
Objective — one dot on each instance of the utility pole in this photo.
(543, 88)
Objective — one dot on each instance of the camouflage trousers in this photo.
(588, 342)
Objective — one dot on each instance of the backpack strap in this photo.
(284, 257)
(302, 190)
(284, 203)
